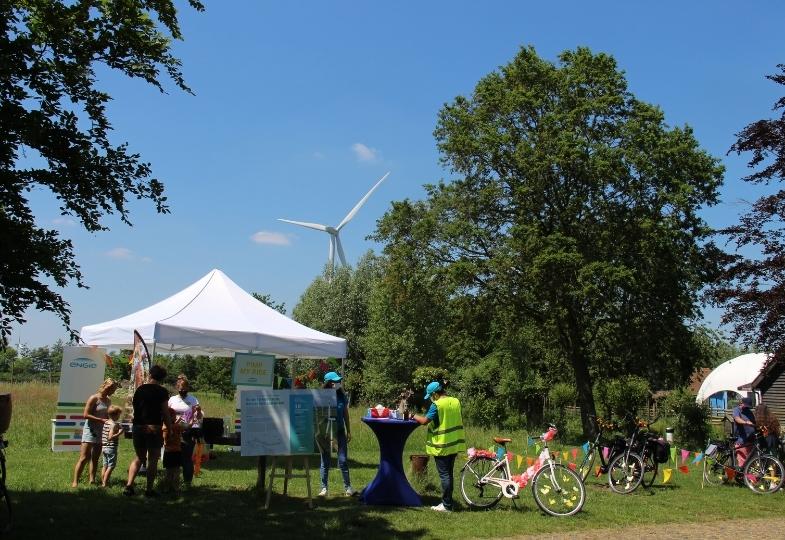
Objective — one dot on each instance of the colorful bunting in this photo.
(730, 473)
(684, 469)
(673, 454)
(537, 449)
(666, 475)
(605, 452)
(519, 460)
(565, 455)
(574, 454)
(597, 471)
(530, 441)
(585, 447)
(684, 455)
(529, 461)
(698, 457)
(572, 466)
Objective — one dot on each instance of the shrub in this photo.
(622, 396)
(690, 419)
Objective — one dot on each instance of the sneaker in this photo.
(350, 491)
(323, 492)
(440, 508)
(128, 491)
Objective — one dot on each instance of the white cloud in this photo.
(146, 260)
(275, 239)
(120, 253)
(365, 153)
(318, 155)
(64, 221)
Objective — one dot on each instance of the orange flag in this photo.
(529, 461)
(730, 473)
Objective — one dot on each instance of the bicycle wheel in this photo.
(476, 490)
(764, 474)
(587, 465)
(714, 472)
(625, 473)
(650, 468)
(558, 491)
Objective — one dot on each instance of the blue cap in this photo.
(431, 388)
(332, 377)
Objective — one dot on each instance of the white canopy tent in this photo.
(214, 316)
(730, 375)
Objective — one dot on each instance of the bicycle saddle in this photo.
(501, 440)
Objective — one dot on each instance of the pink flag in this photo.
(605, 451)
(684, 455)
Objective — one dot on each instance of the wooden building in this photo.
(770, 387)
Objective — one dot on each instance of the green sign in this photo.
(249, 369)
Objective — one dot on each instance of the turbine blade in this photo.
(305, 224)
(357, 207)
(340, 250)
(331, 255)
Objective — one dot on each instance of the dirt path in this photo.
(682, 531)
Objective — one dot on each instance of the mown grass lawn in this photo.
(223, 503)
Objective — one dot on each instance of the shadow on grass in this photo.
(201, 512)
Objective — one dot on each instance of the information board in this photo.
(276, 423)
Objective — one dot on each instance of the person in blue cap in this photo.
(445, 438)
(343, 435)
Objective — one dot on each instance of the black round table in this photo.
(390, 487)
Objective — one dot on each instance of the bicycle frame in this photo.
(509, 487)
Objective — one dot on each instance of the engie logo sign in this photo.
(82, 363)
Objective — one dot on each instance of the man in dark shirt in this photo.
(151, 410)
(744, 429)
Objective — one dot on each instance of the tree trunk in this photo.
(583, 384)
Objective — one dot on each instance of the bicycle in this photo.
(762, 472)
(6, 518)
(636, 465)
(485, 478)
(593, 451)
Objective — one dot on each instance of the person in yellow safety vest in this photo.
(445, 438)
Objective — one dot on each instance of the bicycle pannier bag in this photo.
(662, 451)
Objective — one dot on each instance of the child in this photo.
(173, 455)
(110, 439)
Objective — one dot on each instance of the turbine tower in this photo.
(335, 239)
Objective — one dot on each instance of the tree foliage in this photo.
(337, 303)
(752, 288)
(54, 132)
(574, 213)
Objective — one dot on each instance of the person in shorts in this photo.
(95, 415)
(151, 412)
(173, 452)
(109, 440)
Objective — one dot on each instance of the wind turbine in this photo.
(335, 239)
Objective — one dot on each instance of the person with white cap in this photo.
(445, 438)
(343, 435)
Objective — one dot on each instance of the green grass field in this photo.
(223, 503)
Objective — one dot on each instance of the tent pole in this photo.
(153, 358)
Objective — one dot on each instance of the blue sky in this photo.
(301, 106)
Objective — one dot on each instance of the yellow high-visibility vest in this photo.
(448, 438)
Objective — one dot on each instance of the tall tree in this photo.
(337, 302)
(575, 209)
(752, 288)
(54, 132)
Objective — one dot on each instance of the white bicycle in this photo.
(557, 490)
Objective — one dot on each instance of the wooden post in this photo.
(286, 476)
(261, 466)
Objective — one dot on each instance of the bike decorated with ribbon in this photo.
(486, 478)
